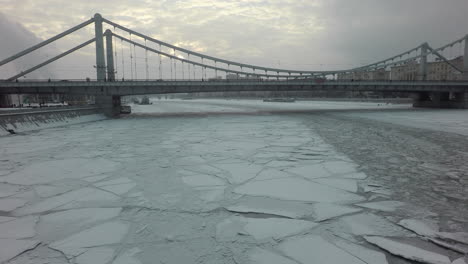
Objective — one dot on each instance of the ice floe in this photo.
(460, 261)
(419, 227)
(297, 190)
(261, 228)
(408, 251)
(349, 185)
(101, 255)
(240, 172)
(128, 257)
(275, 228)
(262, 205)
(10, 204)
(315, 249)
(100, 235)
(325, 211)
(10, 248)
(386, 206)
(60, 169)
(19, 228)
(262, 256)
(60, 224)
(80, 195)
(202, 180)
(370, 224)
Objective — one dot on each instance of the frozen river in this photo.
(213, 181)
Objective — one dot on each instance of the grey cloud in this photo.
(306, 34)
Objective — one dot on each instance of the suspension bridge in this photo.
(192, 71)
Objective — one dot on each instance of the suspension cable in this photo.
(146, 60)
(123, 62)
(160, 64)
(183, 71)
(170, 62)
(131, 58)
(116, 61)
(136, 70)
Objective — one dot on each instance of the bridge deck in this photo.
(158, 87)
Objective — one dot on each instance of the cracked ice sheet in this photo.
(128, 257)
(349, 185)
(49, 171)
(240, 172)
(61, 224)
(419, 227)
(201, 180)
(262, 205)
(368, 224)
(295, 189)
(408, 251)
(68, 199)
(102, 255)
(8, 190)
(262, 256)
(315, 249)
(386, 206)
(10, 204)
(19, 228)
(261, 229)
(104, 234)
(10, 248)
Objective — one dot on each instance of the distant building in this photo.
(376, 75)
(406, 72)
(233, 76)
(436, 71)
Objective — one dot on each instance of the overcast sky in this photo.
(297, 34)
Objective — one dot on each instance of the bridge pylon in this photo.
(100, 59)
(465, 60)
(110, 56)
(422, 74)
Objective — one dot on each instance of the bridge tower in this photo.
(422, 74)
(110, 56)
(100, 60)
(465, 60)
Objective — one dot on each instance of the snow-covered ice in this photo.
(222, 189)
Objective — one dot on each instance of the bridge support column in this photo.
(440, 100)
(110, 56)
(465, 60)
(422, 74)
(100, 60)
(110, 104)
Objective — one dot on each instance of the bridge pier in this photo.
(110, 104)
(440, 100)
